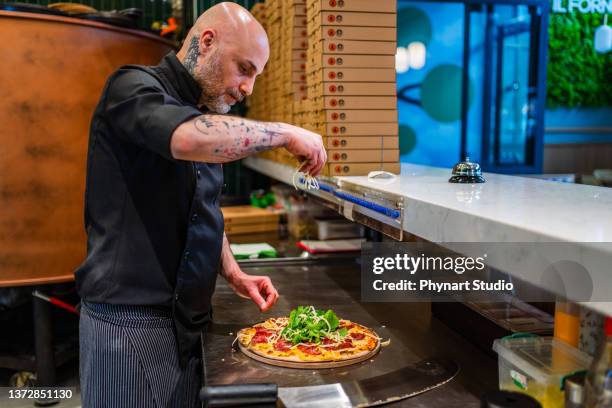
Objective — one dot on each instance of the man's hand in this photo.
(257, 288)
(306, 146)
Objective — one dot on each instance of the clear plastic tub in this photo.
(537, 365)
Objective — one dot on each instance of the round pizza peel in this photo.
(309, 365)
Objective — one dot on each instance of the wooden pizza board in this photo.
(309, 365)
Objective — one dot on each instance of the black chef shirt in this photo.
(154, 228)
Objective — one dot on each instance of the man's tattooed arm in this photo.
(221, 138)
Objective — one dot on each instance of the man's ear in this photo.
(207, 39)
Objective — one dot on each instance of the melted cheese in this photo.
(368, 343)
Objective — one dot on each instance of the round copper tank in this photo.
(52, 73)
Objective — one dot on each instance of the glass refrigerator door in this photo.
(481, 92)
(513, 92)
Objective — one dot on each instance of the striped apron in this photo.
(129, 358)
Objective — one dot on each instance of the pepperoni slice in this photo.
(312, 350)
(327, 341)
(261, 335)
(258, 338)
(358, 336)
(263, 332)
(344, 345)
(282, 345)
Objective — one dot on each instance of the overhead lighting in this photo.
(603, 37)
(417, 54)
(402, 60)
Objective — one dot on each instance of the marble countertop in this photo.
(504, 209)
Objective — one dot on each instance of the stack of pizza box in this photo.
(259, 104)
(351, 91)
(266, 103)
(275, 34)
(332, 70)
(293, 50)
(293, 63)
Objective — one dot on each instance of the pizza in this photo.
(309, 335)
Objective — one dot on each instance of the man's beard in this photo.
(213, 95)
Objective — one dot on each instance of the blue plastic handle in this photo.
(389, 212)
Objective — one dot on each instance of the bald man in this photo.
(155, 232)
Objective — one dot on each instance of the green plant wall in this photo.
(577, 75)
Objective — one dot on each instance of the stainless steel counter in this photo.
(335, 284)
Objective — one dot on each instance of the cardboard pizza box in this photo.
(299, 43)
(299, 32)
(343, 74)
(355, 116)
(360, 115)
(336, 47)
(354, 33)
(295, 21)
(298, 87)
(351, 61)
(299, 96)
(384, 6)
(356, 102)
(363, 156)
(354, 88)
(298, 10)
(361, 142)
(361, 129)
(345, 18)
(360, 169)
(298, 66)
(298, 77)
(299, 55)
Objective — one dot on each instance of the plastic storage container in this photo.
(536, 366)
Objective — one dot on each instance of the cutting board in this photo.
(246, 214)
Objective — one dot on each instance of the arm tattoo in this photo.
(232, 138)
